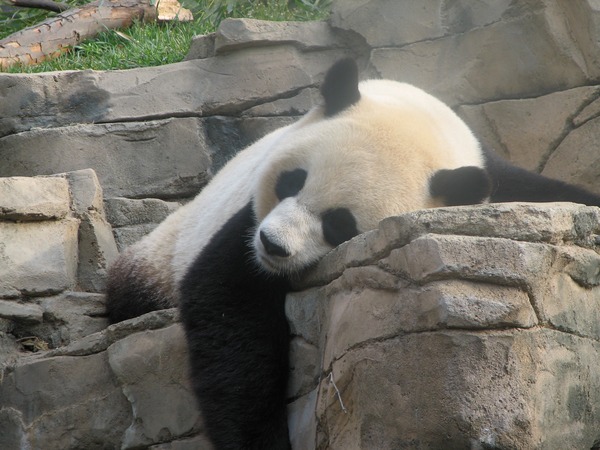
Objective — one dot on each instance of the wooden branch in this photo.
(55, 35)
(48, 5)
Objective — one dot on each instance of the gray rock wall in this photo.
(455, 328)
(472, 327)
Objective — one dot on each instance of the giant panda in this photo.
(371, 150)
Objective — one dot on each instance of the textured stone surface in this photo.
(201, 47)
(38, 257)
(554, 223)
(100, 341)
(496, 260)
(86, 192)
(245, 79)
(124, 211)
(33, 198)
(20, 312)
(305, 368)
(39, 394)
(523, 131)
(119, 154)
(550, 45)
(97, 250)
(114, 407)
(236, 34)
(292, 106)
(595, 6)
(97, 247)
(389, 23)
(132, 219)
(442, 340)
(517, 389)
(66, 317)
(468, 305)
(125, 236)
(574, 161)
(162, 405)
(383, 24)
(62, 242)
(302, 422)
(570, 299)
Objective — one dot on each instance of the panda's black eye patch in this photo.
(290, 183)
(339, 225)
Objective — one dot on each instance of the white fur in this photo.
(295, 228)
(374, 158)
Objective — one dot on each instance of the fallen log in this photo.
(57, 34)
(49, 5)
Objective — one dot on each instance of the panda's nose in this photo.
(271, 248)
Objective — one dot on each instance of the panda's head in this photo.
(372, 150)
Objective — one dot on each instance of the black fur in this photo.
(339, 225)
(512, 184)
(128, 295)
(238, 338)
(462, 186)
(503, 182)
(290, 183)
(340, 87)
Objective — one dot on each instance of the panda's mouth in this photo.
(277, 265)
(265, 263)
(289, 239)
(271, 256)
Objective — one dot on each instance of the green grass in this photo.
(154, 44)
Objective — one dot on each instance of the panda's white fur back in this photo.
(226, 194)
(450, 131)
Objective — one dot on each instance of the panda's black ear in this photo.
(467, 185)
(340, 87)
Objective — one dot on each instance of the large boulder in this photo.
(470, 327)
(91, 394)
(56, 248)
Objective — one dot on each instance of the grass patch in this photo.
(154, 44)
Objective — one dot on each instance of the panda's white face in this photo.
(339, 176)
(298, 232)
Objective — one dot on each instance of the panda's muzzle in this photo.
(271, 248)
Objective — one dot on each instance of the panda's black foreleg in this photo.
(238, 338)
(511, 183)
